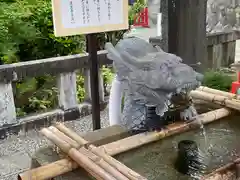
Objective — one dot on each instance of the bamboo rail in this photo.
(217, 99)
(66, 165)
(218, 92)
(222, 170)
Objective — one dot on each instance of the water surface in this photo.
(155, 161)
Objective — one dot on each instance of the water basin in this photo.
(156, 161)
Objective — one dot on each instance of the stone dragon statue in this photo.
(151, 77)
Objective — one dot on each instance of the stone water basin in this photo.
(156, 161)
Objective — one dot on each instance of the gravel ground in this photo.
(16, 151)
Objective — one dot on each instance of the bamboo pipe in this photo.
(71, 134)
(138, 140)
(66, 165)
(100, 161)
(49, 171)
(218, 92)
(222, 169)
(132, 175)
(64, 137)
(95, 170)
(233, 104)
(96, 159)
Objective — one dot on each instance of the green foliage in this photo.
(44, 99)
(217, 80)
(35, 95)
(26, 33)
(112, 37)
(80, 88)
(13, 30)
(108, 75)
(135, 9)
(46, 44)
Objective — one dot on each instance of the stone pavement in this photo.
(16, 151)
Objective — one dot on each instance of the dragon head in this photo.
(152, 76)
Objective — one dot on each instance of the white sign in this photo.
(73, 17)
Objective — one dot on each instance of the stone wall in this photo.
(222, 15)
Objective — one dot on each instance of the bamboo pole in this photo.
(218, 92)
(95, 170)
(49, 171)
(132, 175)
(64, 137)
(96, 159)
(100, 161)
(217, 99)
(66, 165)
(222, 169)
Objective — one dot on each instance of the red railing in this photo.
(142, 18)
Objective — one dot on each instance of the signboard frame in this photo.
(60, 30)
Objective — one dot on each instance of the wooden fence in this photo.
(221, 49)
(221, 52)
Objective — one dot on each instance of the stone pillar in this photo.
(7, 106)
(67, 90)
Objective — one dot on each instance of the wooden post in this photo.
(229, 49)
(94, 80)
(187, 31)
(164, 24)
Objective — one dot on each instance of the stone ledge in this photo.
(52, 66)
(40, 120)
